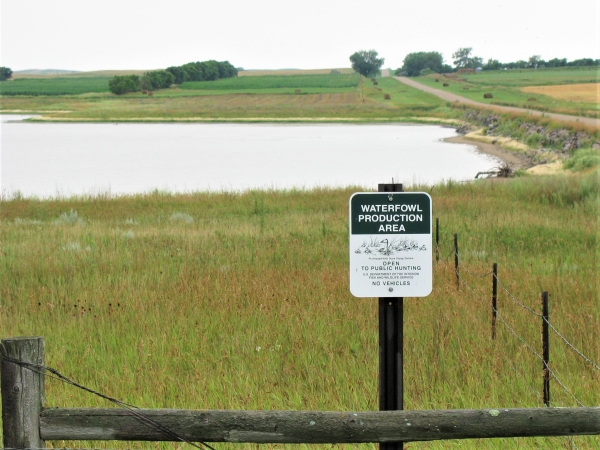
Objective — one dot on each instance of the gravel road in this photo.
(457, 98)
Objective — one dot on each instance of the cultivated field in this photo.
(54, 86)
(580, 93)
(286, 83)
(364, 102)
(253, 73)
(509, 88)
(241, 301)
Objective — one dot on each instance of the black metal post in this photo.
(494, 298)
(456, 261)
(545, 348)
(437, 239)
(391, 344)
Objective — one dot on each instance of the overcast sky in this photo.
(271, 34)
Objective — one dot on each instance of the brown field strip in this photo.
(585, 92)
(254, 73)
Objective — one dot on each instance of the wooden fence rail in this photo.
(26, 424)
(317, 427)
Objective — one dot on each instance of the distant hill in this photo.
(49, 73)
(43, 72)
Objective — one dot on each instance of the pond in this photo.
(64, 159)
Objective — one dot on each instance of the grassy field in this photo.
(241, 301)
(509, 88)
(535, 77)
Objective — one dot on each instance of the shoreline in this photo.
(514, 159)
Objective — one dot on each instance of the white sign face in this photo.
(390, 244)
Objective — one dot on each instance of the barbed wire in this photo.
(134, 410)
(514, 299)
(535, 313)
(550, 371)
(479, 275)
(536, 393)
(593, 364)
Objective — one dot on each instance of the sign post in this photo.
(390, 257)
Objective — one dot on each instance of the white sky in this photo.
(272, 34)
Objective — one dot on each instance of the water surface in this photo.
(63, 159)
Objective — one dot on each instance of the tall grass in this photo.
(246, 305)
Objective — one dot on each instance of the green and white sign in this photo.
(390, 244)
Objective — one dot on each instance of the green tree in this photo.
(5, 73)
(492, 64)
(414, 63)
(158, 79)
(366, 62)
(535, 61)
(462, 58)
(124, 84)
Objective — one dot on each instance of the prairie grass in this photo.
(246, 306)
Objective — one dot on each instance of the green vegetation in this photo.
(366, 63)
(534, 77)
(584, 158)
(241, 301)
(506, 88)
(330, 82)
(124, 84)
(55, 86)
(202, 71)
(415, 63)
(5, 73)
(363, 103)
(159, 79)
(463, 59)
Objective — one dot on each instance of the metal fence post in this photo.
(494, 298)
(391, 348)
(456, 261)
(545, 348)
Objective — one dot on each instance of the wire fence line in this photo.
(133, 410)
(529, 347)
(522, 305)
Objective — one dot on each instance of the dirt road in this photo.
(457, 98)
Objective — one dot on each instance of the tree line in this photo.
(162, 79)
(423, 63)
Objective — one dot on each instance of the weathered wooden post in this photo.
(22, 390)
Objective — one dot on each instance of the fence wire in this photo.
(133, 410)
(535, 313)
(499, 317)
